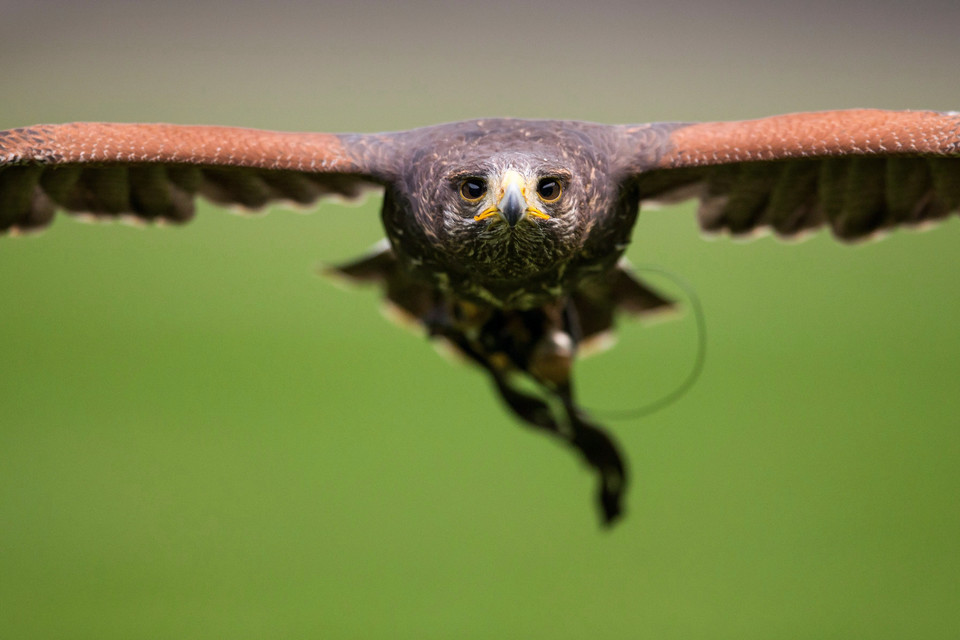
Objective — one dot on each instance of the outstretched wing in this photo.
(859, 171)
(153, 172)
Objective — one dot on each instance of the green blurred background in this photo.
(201, 438)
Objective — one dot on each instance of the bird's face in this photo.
(507, 201)
(509, 219)
(502, 206)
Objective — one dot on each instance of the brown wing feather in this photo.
(154, 171)
(860, 171)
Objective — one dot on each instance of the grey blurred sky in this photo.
(369, 66)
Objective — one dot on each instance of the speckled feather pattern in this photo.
(859, 172)
(818, 134)
(153, 172)
(90, 142)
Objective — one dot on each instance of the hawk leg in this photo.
(539, 343)
(590, 440)
(547, 361)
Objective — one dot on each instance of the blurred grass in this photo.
(201, 437)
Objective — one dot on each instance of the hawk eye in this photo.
(549, 189)
(473, 188)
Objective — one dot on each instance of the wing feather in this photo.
(154, 172)
(859, 171)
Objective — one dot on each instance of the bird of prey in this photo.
(505, 237)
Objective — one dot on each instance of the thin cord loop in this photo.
(698, 364)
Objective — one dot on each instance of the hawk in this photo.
(505, 237)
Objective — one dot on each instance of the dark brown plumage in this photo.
(505, 236)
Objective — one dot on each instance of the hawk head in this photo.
(511, 217)
(500, 203)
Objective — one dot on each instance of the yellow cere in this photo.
(486, 213)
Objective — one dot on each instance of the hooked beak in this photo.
(512, 204)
